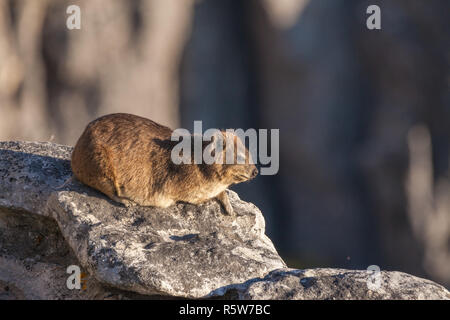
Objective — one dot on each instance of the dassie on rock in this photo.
(128, 158)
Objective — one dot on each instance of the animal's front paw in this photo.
(225, 201)
(126, 202)
(129, 204)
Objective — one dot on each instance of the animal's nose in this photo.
(254, 173)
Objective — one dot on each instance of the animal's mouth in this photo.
(242, 177)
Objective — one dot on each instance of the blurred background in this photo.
(364, 116)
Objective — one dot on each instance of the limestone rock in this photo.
(340, 284)
(184, 250)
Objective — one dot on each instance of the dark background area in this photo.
(364, 115)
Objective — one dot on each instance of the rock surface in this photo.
(32, 279)
(184, 250)
(340, 284)
(140, 253)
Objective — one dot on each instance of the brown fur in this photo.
(128, 158)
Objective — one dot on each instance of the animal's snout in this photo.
(254, 172)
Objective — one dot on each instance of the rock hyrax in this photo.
(128, 158)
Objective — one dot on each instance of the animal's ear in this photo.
(211, 144)
(206, 144)
(215, 139)
(227, 138)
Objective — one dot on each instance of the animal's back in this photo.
(117, 151)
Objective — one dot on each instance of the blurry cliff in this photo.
(364, 116)
(53, 80)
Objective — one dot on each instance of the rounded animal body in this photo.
(128, 158)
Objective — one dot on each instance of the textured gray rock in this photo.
(34, 257)
(340, 284)
(32, 279)
(185, 250)
(29, 172)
